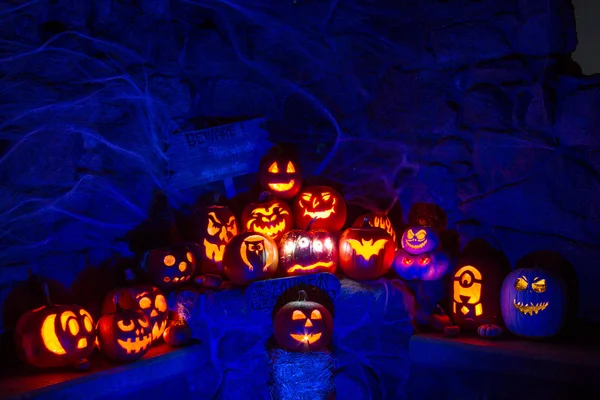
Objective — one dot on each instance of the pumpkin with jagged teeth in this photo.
(418, 240)
(529, 308)
(269, 217)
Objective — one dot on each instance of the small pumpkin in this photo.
(534, 302)
(489, 331)
(308, 251)
(303, 325)
(365, 253)
(170, 266)
(282, 175)
(178, 333)
(250, 257)
(323, 203)
(54, 335)
(270, 217)
(378, 220)
(417, 240)
(452, 331)
(124, 335)
(425, 267)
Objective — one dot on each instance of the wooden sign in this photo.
(215, 154)
(263, 295)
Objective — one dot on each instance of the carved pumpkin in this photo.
(366, 252)
(534, 302)
(475, 289)
(378, 220)
(146, 298)
(489, 331)
(54, 335)
(214, 227)
(250, 257)
(269, 217)
(425, 267)
(303, 325)
(308, 251)
(170, 266)
(320, 202)
(178, 333)
(281, 175)
(124, 335)
(418, 240)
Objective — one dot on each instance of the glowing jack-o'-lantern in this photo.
(250, 257)
(146, 298)
(323, 203)
(378, 220)
(303, 325)
(214, 227)
(419, 240)
(269, 217)
(281, 175)
(54, 335)
(308, 252)
(124, 335)
(425, 267)
(170, 266)
(366, 253)
(534, 302)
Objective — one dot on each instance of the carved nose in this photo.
(265, 219)
(315, 202)
(308, 324)
(154, 313)
(182, 266)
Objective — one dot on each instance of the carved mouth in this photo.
(529, 309)
(309, 338)
(158, 330)
(417, 246)
(271, 231)
(136, 346)
(214, 252)
(281, 187)
(319, 214)
(310, 267)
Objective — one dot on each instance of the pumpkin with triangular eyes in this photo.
(303, 325)
(170, 266)
(281, 175)
(323, 203)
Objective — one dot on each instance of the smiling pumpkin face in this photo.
(272, 218)
(323, 203)
(125, 335)
(282, 176)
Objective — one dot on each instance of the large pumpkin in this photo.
(424, 267)
(214, 226)
(303, 325)
(418, 240)
(146, 298)
(269, 217)
(475, 288)
(55, 335)
(534, 302)
(124, 335)
(170, 266)
(250, 257)
(323, 203)
(365, 253)
(308, 252)
(378, 220)
(281, 175)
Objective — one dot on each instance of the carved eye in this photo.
(317, 245)
(306, 196)
(126, 327)
(424, 260)
(189, 257)
(290, 168)
(539, 286)
(326, 196)
(73, 326)
(169, 260)
(410, 234)
(160, 303)
(421, 234)
(316, 314)
(304, 242)
(521, 284)
(145, 302)
(328, 244)
(407, 261)
(88, 322)
(297, 314)
(273, 168)
(212, 229)
(143, 323)
(182, 266)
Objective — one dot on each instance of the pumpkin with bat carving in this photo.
(269, 217)
(424, 267)
(308, 251)
(365, 253)
(534, 302)
(303, 325)
(144, 297)
(418, 240)
(170, 266)
(249, 257)
(281, 175)
(323, 203)
(124, 335)
(378, 220)
(54, 335)
(214, 226)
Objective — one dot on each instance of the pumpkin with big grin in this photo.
(323, 203)
(269, 217)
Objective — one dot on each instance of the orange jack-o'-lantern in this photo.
(214, 226)
(170, 266)
(54, 335)
(250, 257)
(323, 203)
(366, 253)
(303, 325)
(146, 298)
(281, 175)
(378, 220)
(124, 335)
(269, 217)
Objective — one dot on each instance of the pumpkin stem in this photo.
(366, 223)
(46, 294)
(310, 224)
(264, 196)
(302, 295)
